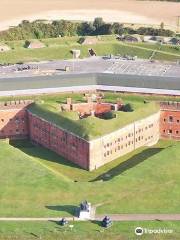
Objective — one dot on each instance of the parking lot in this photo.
(91, 65)
(146, 68)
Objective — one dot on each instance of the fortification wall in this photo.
(68, 145)
(13, 119)
(111, 146)
(19, 104)
(17, 122)
(170, 120)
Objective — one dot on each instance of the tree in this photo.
(105, 29)
(98, 22)
(86, 28)
(117, 28)
(162, 26)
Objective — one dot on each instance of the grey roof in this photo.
(69, 80)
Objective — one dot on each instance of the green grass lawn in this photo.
(55, 99)
(92, 127)
(60, 48)
(86, 230)
(37, 182)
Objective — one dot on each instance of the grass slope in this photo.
(144, 181)
(86, 230)
(60, 48)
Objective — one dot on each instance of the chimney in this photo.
(69, 101)
(89, 100)
(116, 107)
(93, 113)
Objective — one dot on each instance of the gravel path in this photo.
(114, 217)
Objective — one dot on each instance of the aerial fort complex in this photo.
(66, 132)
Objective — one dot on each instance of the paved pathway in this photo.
(114, 217)
(36, 219)
(142, 217)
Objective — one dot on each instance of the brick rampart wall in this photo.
(69, 146)
(17, 122)
(170, 125)
(13, 119)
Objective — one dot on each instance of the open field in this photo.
(146, 12)
(86, 230)
(61, 49)
(37, 182)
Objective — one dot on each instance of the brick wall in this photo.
(170, 121)
(87, 108)
(58, 140)
(17, 122)
(111, 146)
(13, 119)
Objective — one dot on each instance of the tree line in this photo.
(40, 29)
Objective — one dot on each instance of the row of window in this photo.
(129, 135)
(12, 131)
(55, 142)
(16, 120)
(146, 128)
(170, 131)
(54, 134)
(171, 119)
(126, 145)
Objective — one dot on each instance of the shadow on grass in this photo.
(99, 223)
(71, 209)
(40, 152)
(130, 163)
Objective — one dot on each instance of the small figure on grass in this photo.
(106, 222)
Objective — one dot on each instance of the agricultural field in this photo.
(60, 48)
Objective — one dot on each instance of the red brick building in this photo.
(170, 120)
(58, 140)
(14, 119)
(91, 108)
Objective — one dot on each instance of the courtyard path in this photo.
(150, 49)
(114, 217)
(141, 217)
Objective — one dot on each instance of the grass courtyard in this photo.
(36, 182)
